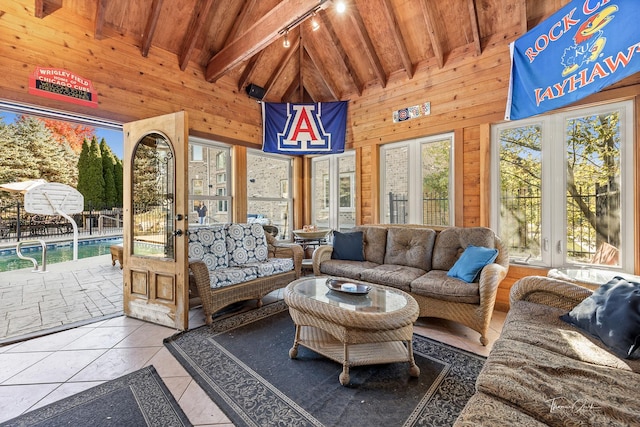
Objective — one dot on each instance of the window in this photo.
(334, 190)
(222, 204)
(565, 187)
(269, 201)
(208, 178)
(196, 153)
(347, 187)
(417, 181)
(197, 186)
(221, 161)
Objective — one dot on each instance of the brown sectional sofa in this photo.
(416, 259)
(543, 371)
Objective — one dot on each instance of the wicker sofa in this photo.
(416, 259)
(543, 371)
(235, 262)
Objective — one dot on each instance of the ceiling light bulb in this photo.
(341, 7)
(286, 43)
(314, 22)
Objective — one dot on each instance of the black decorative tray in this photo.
(347, 287)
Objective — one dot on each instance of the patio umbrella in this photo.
(22, 186)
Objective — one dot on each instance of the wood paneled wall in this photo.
(467, 95)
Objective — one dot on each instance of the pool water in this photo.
(56, 252)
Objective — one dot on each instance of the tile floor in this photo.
(42, 370)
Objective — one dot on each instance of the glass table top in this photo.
(377, 300)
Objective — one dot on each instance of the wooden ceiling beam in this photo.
(323, 72)
(150, 28)
(475, 28)
(291, 51)
(44, 8)
(247, 73)
(524, 17)
(98, 28)
(350, 70)
(291, 90)
(436, 44)
(196, 25)
(401, 47)
(259, 35)
(301, 62)
(365, 40)
(239, 23)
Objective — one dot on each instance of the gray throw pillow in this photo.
(612, 314)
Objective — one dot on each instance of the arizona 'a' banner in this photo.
(318, 128)
(584, 47)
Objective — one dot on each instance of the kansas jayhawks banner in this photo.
(584, 47)
(318, 128)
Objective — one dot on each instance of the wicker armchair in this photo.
(476, 316)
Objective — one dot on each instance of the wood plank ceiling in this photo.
(369, 43)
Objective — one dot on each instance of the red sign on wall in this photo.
(63, 85)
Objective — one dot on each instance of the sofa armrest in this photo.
(321, 254)
(200, 274)
(288, 250)
(545, 290)
(490, 278)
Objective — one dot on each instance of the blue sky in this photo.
(113, 138)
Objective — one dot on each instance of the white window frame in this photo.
(284, 198)
(554, 217)
(414, 167)
(214, 186)
(334, 188)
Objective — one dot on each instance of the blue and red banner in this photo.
(297, 129)
(581, 49)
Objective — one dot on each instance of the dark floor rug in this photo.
(137, 399)
(243, 364)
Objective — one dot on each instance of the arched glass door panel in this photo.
(153, 197)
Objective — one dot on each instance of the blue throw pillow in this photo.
(348, 246)
(471, 262)
(612, 314)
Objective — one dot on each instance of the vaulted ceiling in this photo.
(369, 43)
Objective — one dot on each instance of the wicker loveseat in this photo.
(416, 259)
(237, 262)
(543, 371)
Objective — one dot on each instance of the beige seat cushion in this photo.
(348, 269)
(436, 284)
(396, 276)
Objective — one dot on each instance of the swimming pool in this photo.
(56, 252)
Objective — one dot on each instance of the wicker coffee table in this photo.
(352, 329)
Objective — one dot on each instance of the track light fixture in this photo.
(286, 43)
(314, 22)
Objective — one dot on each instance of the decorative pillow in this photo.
(246, 243)
(612, 314)
(348, 246)
(208, 244)
(471, 262)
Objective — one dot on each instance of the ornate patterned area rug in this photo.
(137, 399)
(243, 364)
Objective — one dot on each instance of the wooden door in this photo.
(156, 287)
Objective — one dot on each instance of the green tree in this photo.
(108, 172)
(90, 177)
(593, 161)
(118, 174)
